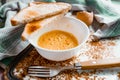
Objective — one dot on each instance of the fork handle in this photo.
(100, 63)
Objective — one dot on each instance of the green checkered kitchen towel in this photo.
(106, 21)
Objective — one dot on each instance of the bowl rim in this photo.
(79, 45)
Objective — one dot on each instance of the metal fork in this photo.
(43, 71)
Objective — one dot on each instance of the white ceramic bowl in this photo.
(68, 24)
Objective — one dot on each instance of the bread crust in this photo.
(35, 3)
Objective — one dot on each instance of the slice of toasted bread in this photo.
(39, 11)
(35, 25)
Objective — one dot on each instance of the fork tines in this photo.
(39, 71)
